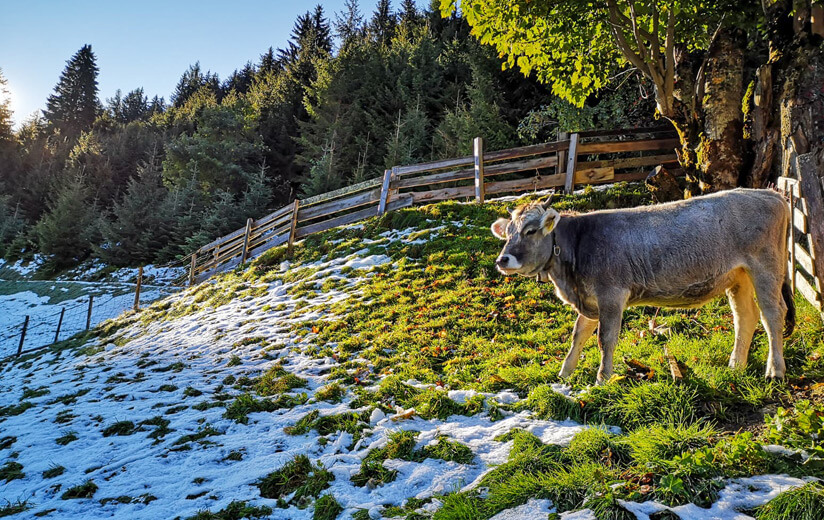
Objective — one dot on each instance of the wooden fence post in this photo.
(811, 189)
(387, 177)
(215, 257)
(293, 227)
(480, 192)
(59, 324)
(791, 239)
(562, 154)
(572, 164)
(23, 336)
(192, 268)
(136, 306)
(245, 252)
(89, 313)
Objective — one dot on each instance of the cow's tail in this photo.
(789, 320)
(787, 291)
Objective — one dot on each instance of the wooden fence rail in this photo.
(806, 237)
(541, 166)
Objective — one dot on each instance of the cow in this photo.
(680, 255)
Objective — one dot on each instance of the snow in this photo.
(533, 510)
(21, 267)
(741, 493)
(123, 380)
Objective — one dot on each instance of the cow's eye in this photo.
(530, 232)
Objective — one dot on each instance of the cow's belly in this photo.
(687, 295)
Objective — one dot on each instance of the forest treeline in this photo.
(134, 180)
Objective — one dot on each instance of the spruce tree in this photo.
(74, 105)
(134, 231)
(135, 106)
(193, 80)
(383, 22)
(9, 158)
(349, 23)
(63, 233)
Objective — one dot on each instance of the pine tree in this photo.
(193, 80)
(135, 106)
(349, 23)
(9, 158)
(63, 232)
(134, 231)
(383, 22)
(240, 80)
(268, 63)
(409, 15)
(74, 105)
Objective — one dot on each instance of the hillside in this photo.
(387, 370)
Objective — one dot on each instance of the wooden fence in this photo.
(605, 157)
(806, 239)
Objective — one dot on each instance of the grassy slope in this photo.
(441, 315)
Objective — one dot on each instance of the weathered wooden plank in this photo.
(594, 175)
(435, 165)
(222, 241)
(533, 183)
(285, 210)
(269, 226)
(809, 293)
(803, 258)
(384, 197)
(628, 146)
(489, 171)
(572, 164)
(323, 197)
(787, 184)
(402, 201)
(628, 131)
(631, 162)
(334, 206)
(442, 194)
(526, 151)
(814, 197)
(273, 241)
(791, 245)
(799, 220)
(263, 238)
(479, 170)
(293, 226)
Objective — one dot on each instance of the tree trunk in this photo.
(707, 113)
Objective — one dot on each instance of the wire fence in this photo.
(37, 314)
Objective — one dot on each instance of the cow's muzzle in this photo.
(507, 264)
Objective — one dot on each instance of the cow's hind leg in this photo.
(609, 326)
(745, 317)
(584, 327)
(773, 311)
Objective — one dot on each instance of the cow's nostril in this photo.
(502, 260)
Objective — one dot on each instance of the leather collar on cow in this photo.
(543, 275)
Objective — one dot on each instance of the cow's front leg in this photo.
(609, 325)
(584, 327)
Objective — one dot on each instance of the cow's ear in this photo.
(499, 228)
(550, 220)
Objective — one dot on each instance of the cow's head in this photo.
(529, 242)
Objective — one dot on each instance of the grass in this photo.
(84, 490)
(12, 508)
(11, 471)
(236, 510)
(54, 471)
(326, 508)
(120, 428)
(298, 476)
(804, 503)
(66, 438)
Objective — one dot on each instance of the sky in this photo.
(145, 44)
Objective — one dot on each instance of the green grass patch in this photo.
(120, 428)
(11, 471)
(54, 471)
(298, 476)
(804, 503)
(66, 438)
(84, 490)
(236, 510)
(326, 508)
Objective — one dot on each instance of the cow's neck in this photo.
(561, 265)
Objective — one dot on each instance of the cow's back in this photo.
(681, 246)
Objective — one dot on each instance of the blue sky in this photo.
(148, 43)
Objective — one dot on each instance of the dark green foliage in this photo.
(84, 490)
(119, 428)
(63, 232)
(54, 471)
(74, 105)
(236, 510)
(67, 438)
(549, 404)
(299, 476)
(7, 442)
(12, 508)
(11, 471)
(326, 508)
(15, 409)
